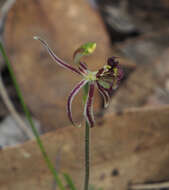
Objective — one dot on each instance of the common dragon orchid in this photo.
(105, 79)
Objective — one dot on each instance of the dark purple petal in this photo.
(112, 61)
(120, 73)
(88, 110)
(55, 58)
(71, 97)
(83, 68)
(100, 71)
(83, 65)
(104, 94)
(82, 71)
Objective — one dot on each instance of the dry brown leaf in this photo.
(132, 147)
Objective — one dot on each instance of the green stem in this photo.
(87, 154)
(87, 144)
(29, 118)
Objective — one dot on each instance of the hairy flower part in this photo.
(105, 79)
(110, 75)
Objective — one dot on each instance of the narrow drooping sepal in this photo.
(88, 110)
(105, 95)
(55, 57)
(71, 97)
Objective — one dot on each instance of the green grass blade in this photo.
(29, 118)
(69, 181)
(92, 187)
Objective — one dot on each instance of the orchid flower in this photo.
(105, 79)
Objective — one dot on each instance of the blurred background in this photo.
(131, 139)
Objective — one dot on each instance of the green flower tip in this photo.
(88, 48)
(84, 50)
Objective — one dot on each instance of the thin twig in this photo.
(3, 15)
(4, 12)
(12, 110)
(149, 186)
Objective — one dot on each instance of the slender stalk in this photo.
(87, 154)
(87, 144)
(29, 118)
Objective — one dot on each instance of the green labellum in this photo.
(104, 84)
